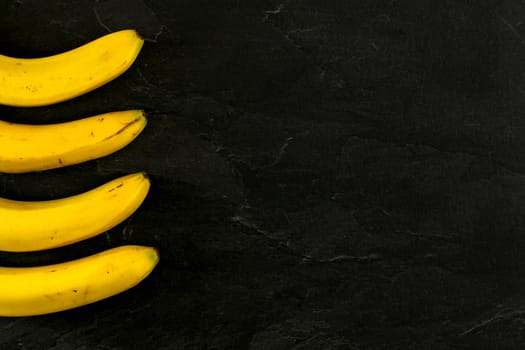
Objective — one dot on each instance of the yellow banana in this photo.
(26, 148)
(39, 225)
(29, 291)
(30, 82)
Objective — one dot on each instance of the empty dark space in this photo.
(335, 175)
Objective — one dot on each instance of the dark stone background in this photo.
(327, 174)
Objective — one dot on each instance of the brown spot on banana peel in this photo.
(121, 130)
(114, 188)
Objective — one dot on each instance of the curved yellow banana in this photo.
(31, 82)
(25, 148)
(39, 225)
(29, 291)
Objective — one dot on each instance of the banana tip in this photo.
(140, 37)
(156, 254)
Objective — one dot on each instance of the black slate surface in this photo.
(326, 174)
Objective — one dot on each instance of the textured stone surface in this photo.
(326, 174)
